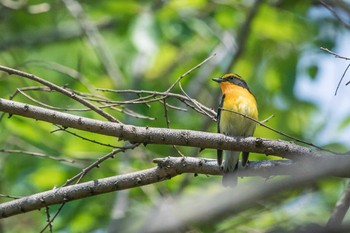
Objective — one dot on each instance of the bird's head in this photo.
(231, 79)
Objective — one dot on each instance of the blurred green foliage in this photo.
(152, 43)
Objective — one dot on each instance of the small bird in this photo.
(236, 97)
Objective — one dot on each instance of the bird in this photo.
(237, 101)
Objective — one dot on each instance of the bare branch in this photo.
(340, 209)
(336, 15)
(345, 71)
(208, 208)
(40, 155)
(173, 166)
(148, 135)
(197, 106)
(335, 54)
(60, 128)
(52, 86)
(97, 163)
(186, 100)
(188, 72)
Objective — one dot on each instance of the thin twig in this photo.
(97, 163)
(52, 86)
(72, 73)
(196, 104)
(48, 219)
(129, 112)
(182, 98)
(267, 119)
(188, 72)
(340, 209)
(168, 125)
(52, 107)
(346, 24)
(10, 196)
(37, 154)
(54, 217)
(60, 128)
(335, 54)
(342, 77)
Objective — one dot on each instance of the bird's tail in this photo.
(230, 166)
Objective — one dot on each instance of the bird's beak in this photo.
(218, 80)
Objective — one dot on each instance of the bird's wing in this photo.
(218, 116)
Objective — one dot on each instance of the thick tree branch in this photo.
(148, 135)
(209, 208)
(167, 168)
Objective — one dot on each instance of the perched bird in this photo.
(236, 97)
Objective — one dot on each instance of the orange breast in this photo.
(237, 99)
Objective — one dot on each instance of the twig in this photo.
(10, 196)
(72, 73)
(347, 25)
(54, 217)
(267, 119)
(37, 154)
(188, 72)
(48, 219)
(342, 77)
(168, 125)
(129, 112)
(182, 98)
(340, 209)
(346, 70)
(97, 163)
(335, 54)
(49, 106)
(52, 86)
(196, 104)
(83, 138)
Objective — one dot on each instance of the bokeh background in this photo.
(147, 45)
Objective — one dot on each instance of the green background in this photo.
(148, 45)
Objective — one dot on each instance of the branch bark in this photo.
(148, 135)
(208, 208)
(167, 168)
(172, 166)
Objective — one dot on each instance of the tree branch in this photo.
(59, 89)
(208, 208)
(340, 209)
(167, 168)
(148, 135)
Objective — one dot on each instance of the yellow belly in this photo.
(236, 125)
